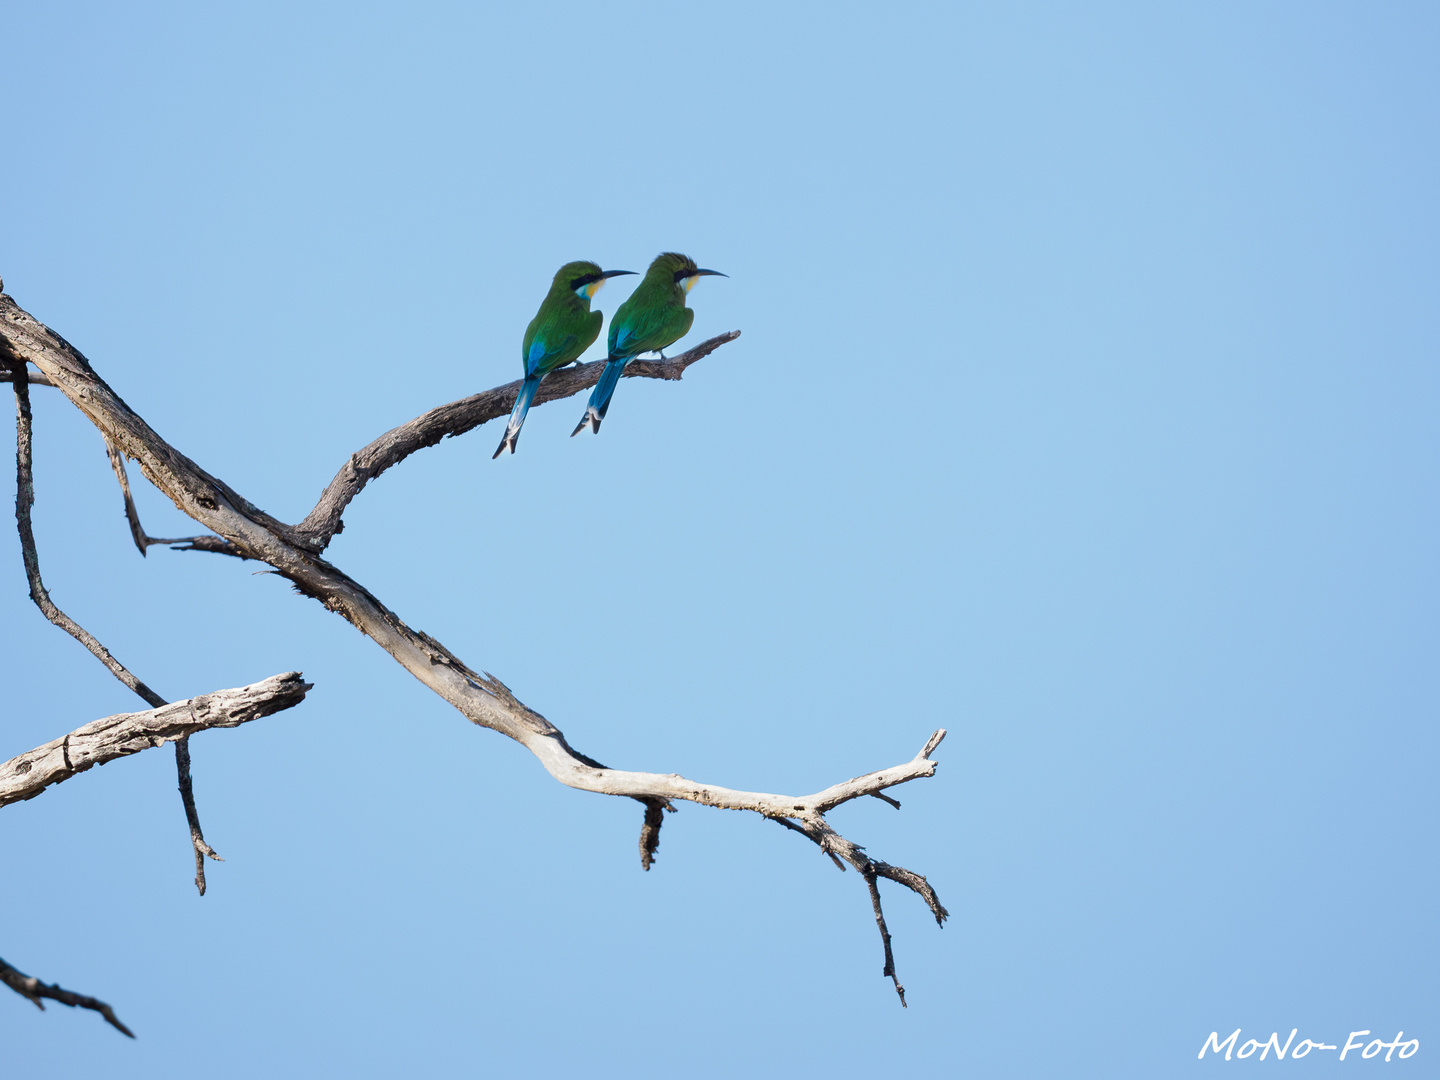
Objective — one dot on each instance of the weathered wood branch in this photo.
(27, 775)
(32, 989)
(24, 502)
(322, 523)
(481, 698)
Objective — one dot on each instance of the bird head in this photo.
(584, 278)
(681, 270)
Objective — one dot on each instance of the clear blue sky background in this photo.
(1085, 407)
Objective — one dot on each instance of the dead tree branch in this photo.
(322, 523)
(24, 502)
(481, 698)
(27, 775)
(31, 988)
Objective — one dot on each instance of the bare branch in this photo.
(36, 379)
(24, 500)
(202, 850)
(889, 969)
(322, 523)
(483, 699)
(27, 775)
(813, 825)
(31, 988)
(916, 883)
(137, 531)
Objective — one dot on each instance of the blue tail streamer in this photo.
(517, 414)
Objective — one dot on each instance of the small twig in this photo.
(33, 989)
(889, 971)
(813, 825)
(132, 515)
(885, 798)
(24, 500)
(203, 850)
(917, 884)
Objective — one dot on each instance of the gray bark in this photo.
(27, 775)
(293, 551)
(32, 989)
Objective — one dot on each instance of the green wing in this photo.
(649, 328)
(554, 339)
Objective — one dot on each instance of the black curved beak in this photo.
(615, 273)
(709, 273)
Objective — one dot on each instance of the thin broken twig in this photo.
(31, 988)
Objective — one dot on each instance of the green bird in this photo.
(654, 317)
(562, 329)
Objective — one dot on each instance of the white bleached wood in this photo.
(28, 774)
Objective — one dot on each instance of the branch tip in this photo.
(32, 989)
(930, 745)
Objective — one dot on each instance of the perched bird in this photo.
(562, 329)
(654, 317)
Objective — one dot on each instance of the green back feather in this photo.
(564, 324)
(655, 315)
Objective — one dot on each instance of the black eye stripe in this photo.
(681, 275)
(584, 279)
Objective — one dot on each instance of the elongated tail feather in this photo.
(517, 415)
(599, 403)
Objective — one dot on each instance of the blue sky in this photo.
(1084, 407)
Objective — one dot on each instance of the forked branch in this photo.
(293, 552)
(144, 541)
(24, 502)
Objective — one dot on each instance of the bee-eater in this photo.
(562, 329)
(654, 317)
